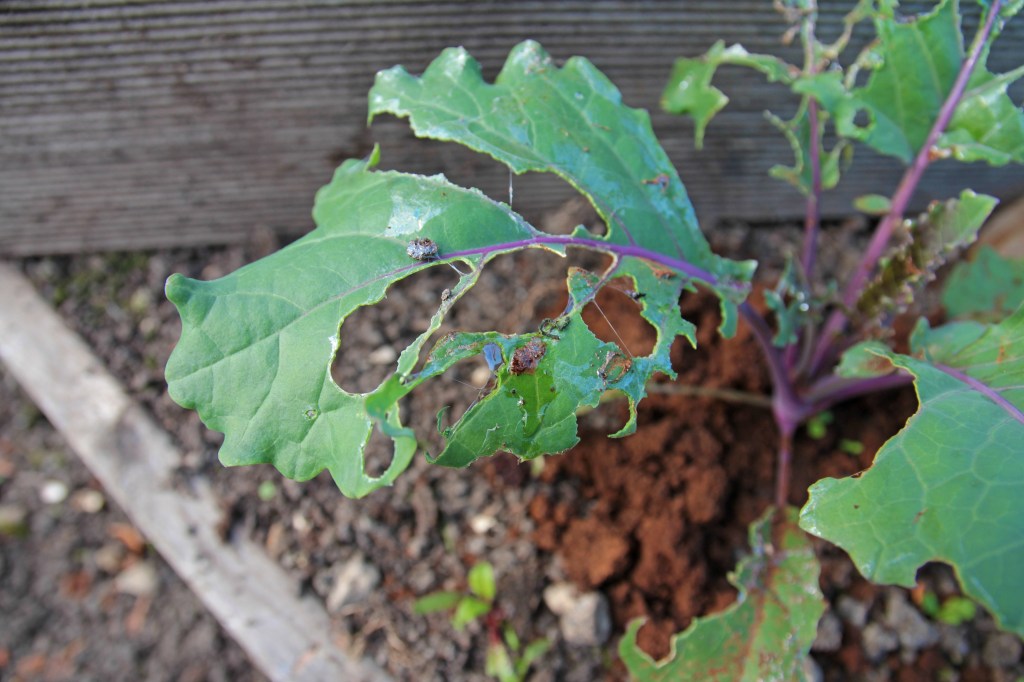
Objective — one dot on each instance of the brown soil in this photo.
(661, 516)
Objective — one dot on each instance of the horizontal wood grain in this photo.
(134, 125)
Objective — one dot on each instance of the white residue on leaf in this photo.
(410, 213)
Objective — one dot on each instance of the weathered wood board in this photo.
(130, 124)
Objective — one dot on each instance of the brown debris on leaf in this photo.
(526, 358)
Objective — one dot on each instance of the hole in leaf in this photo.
(373, 336)
(862, 119)
(567, 215)
(545, 200)
(514, 293)
(614, 316)
(378, 453)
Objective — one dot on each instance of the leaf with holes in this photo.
(798, 133)
(257, 346)
(689, 90)
(947, 487)
(569, 121)
(766, 635)
(915, 64)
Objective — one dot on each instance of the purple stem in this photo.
(782, 468)
(599, 245)
(812, 216)
(984, 389)
(904, 191)
(787, 407)
(831, 390)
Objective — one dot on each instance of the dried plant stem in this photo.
(730, 395)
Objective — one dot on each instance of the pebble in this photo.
(584, 619)
(301, 524)
(276, 543)
(481, 523)
(53, 492)
(915, 632)
(13, 520)
(108, 558)
(1002, 649)
(954, 642)
(353, 583)
(812, 671)
(853, 611)
(139, 579)
(88, 501)
(878, 641)
(384, 355)
(830, 633)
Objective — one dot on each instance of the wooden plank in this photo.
(287, 637)
(131, 124)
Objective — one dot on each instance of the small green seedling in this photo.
(817, 426)
(507, 660)
(954, 610)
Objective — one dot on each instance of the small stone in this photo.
(139, 579)
(954, 642)
(915, 632)
(830, 633)
(353, 583)
(583, 618)
(13, 520)
(53, 492)
(1001, 650)
(301, 524)
(141, 301)
(852, 611)
(275, 542)
(108, 558)
(88, 501)
(384, 355)
(812, 671)
(878, 641)
(481, 523)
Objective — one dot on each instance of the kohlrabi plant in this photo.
(257, 346)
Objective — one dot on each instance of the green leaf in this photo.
(987, 288)
(766, 635)
(873, 204)
(798, 133)
(790, 302)
(257, 346)
(956, 611)
(865, 360)
(689, 89)
(468, 610)
(531, 653)
(569, 121)
(946, 487)
(914, 65)
(986, 126)
(481, 580)
(498, 663)
(436, 601)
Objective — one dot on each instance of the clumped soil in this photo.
(654, 521)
